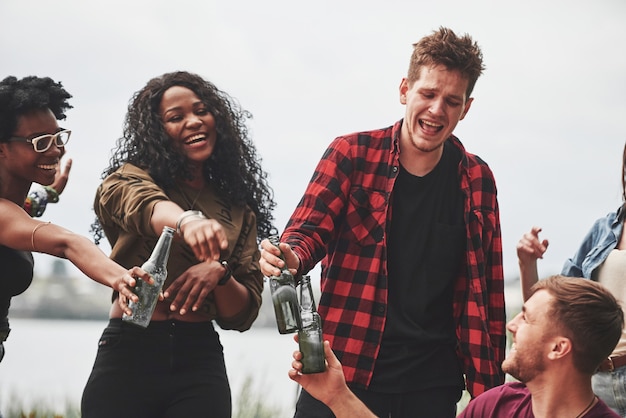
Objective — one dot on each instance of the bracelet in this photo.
(32, 235)
(53, 195)
(227, 274)
(185, 215)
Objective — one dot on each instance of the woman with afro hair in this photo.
(185, 161)
(31, 145)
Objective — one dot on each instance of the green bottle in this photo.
(148, 294)
(310, 335)
(284, 298)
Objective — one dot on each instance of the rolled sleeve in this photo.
(126, 199)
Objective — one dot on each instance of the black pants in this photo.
(430, 403)
(172, 369)
(4, 334)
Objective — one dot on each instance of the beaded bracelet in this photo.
(53, 195)
(36, 201)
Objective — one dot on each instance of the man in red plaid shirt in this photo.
(406, 225)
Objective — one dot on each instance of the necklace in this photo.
(190, 203)
(587, 408)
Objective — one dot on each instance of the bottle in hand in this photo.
(310, 335)
(148, 294)
(284, 298)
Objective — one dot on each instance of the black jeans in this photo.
(4, 334)
(172, 369)
(429, 403)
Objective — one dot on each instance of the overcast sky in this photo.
(549, 114)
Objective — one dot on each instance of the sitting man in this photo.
(565, 330)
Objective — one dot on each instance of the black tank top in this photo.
(16, 274)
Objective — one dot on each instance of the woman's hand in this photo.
(191, 288)
(125, 284)
(61, 176)
(206, 237)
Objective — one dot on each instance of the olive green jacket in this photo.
(124, 203)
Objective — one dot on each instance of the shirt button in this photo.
(381, 309)
(394, 169)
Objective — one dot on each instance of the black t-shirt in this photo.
(426, 244)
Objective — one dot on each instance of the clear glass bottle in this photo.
(310, 335)
(284, 298)
(148, 294)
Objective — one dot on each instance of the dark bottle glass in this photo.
(148, 294)
(284, 298)
(310, 335)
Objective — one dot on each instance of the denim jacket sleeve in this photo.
(595, 247)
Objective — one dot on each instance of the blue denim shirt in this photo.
(601, 239)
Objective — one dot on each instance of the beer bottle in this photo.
(284, 297)
(148, 294)
(310, 335)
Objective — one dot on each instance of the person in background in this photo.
(406, 225)
(600, 257)
(565, 330)
(31, 144)
(186, 161)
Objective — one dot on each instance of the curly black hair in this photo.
(234, 167)
(18, 97)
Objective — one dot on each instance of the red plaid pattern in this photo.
(341, 221)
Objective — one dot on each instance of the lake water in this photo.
(50, 361)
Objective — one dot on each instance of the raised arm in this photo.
(529, 249)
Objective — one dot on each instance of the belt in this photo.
(612, 363)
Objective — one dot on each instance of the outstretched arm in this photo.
(23, 233)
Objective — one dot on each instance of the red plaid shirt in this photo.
(341, 221)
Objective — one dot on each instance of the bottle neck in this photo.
(275, 240)
(307, 303)
(161, 251)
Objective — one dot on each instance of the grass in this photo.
(36, 409)
(252, 404)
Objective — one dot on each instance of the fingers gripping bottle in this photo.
(310, 335)
(284, 297)
(148, 294)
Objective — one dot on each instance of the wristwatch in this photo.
(227, 273)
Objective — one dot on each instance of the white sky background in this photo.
(549, 114)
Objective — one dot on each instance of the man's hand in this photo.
(529, 248)
(271, 263)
